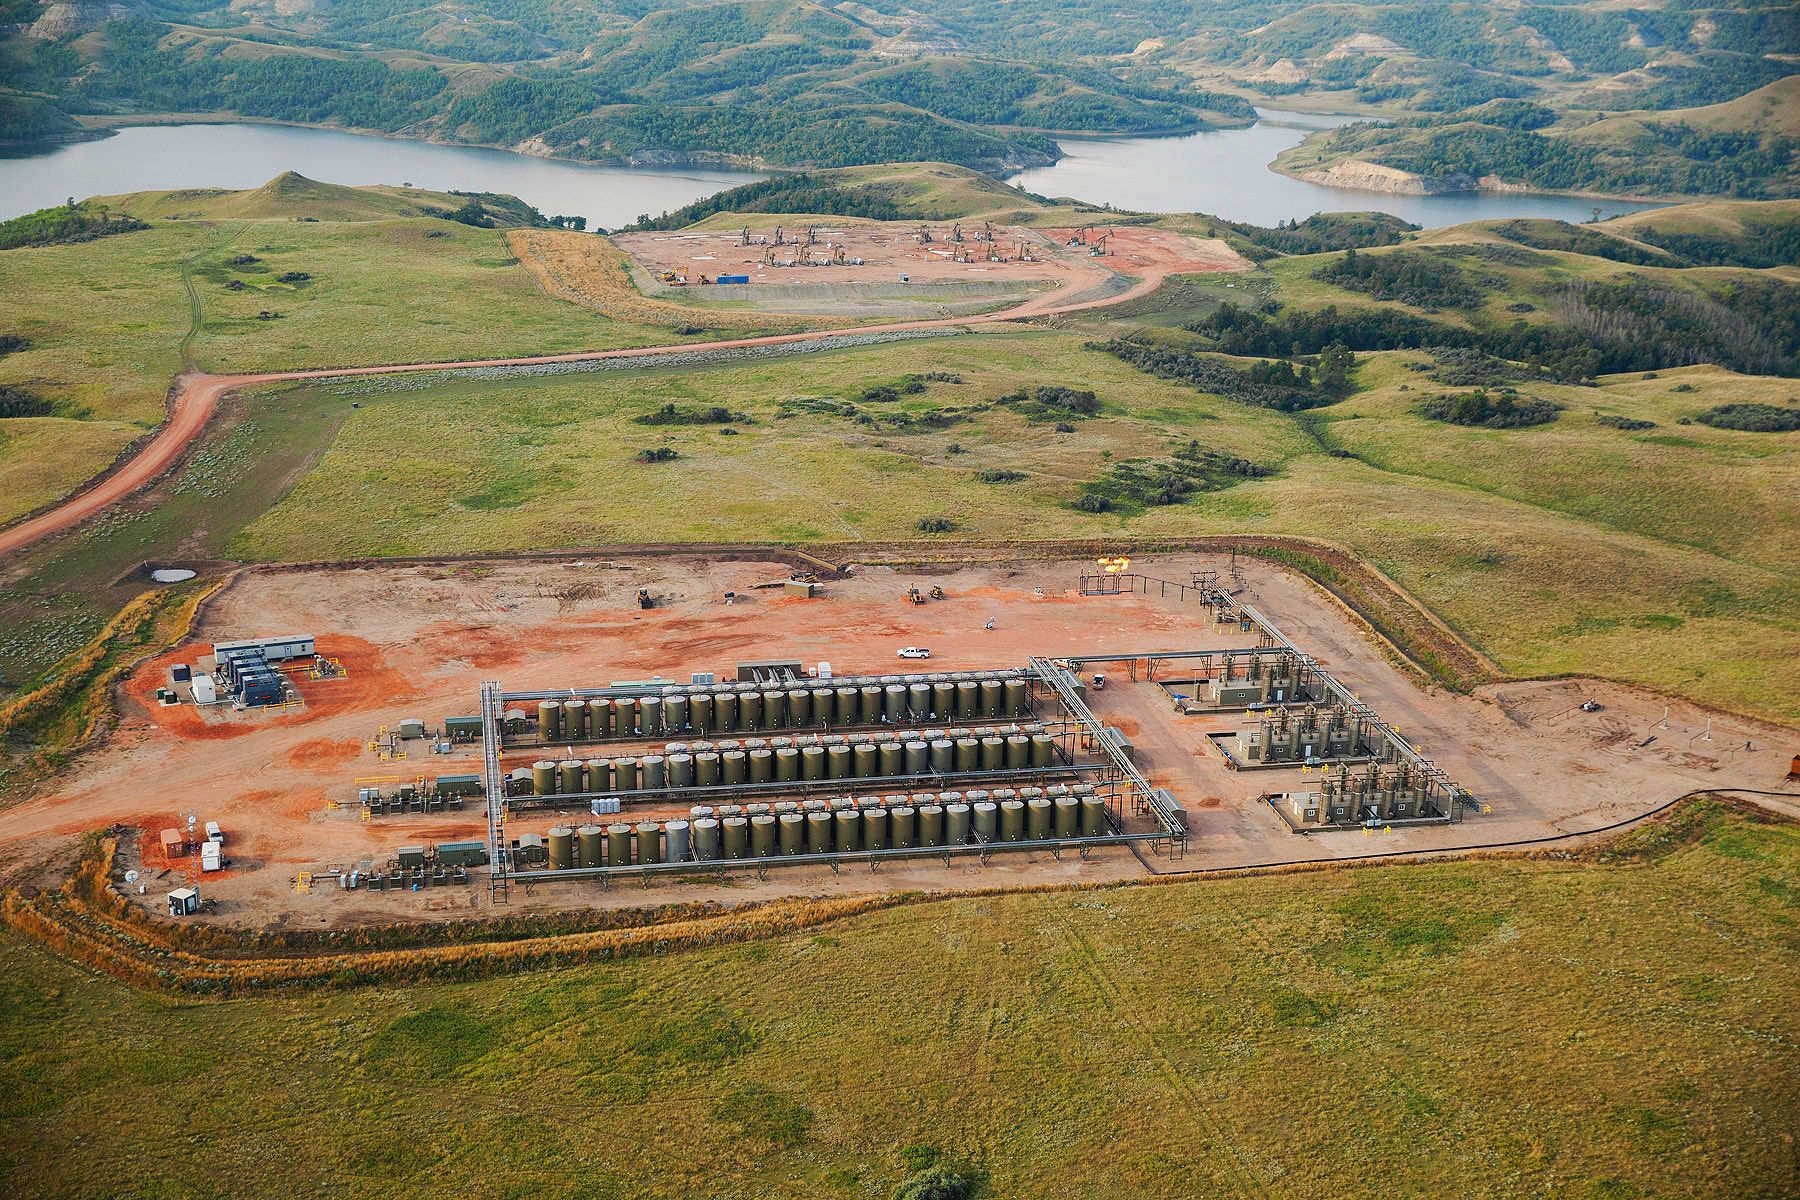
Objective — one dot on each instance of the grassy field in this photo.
(112, 321)
(1613, 1028)
(1665, 557)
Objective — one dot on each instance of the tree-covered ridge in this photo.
(776, 82)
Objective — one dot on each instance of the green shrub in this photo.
(935, 525)
(1627, 423)
(1504, 409)
(1752, 418)
(998, 475)
(660, 454)
(17, 402)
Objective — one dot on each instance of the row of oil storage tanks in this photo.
(894, 701)
(730, 762)
(846, 825)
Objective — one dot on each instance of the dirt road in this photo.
(197, 396)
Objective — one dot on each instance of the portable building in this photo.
(184, 902)
(213, 833)
(210, 856)
(205, 691)
(462, 729)
(275, 649)
(410, 728)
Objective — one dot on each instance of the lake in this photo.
(155, 157)
(1225, 173)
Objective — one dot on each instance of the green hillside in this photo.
(1614, 1026)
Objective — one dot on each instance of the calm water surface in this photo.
(1226, 173)
(1223, 172)
(244, 156)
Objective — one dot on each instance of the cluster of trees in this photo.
(16, 401)
(1052, 403)
(1752, 418)
(801, 193)
(1504, 409)
(1683, 159)
(1322, 231)
(1208, 374)
(1761, 244)
(1136, 484)
(994, 93)
(361, 92)
(1717, 78)
(1629, 424)
(1560, 235)
(66, 223)
(690, 414)
(1750, 324)
(1410, 276)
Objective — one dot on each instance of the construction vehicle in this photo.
(645, 600)
(915, 596)
(937, 593)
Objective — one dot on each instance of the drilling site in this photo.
(530, 735)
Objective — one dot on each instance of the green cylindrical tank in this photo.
(625, 717)
(725, 711)
(737, 836)
(956, 824)
(847, 829)
(596, 775)
(1015, 697)
(591, 840)
(943, 755)
(1038, 818)
(1018, 751)
(991, 694)
(675, 712)
(893, 703)
(681, 770)
(903, 827)
(649, 842)
(735, 766)
(813, 764)
(993, 754)
(706, 769)
(762, 835)
(650, 715)
(700, 711)
(774, 709)
(549, 721)
(1043, 750)
(618, 845)
(931, 825)
(600, 719)
(968, 699)
(653, 771)
(1012, 821)
(1068, 816)
(562, 848)
(791, 832)
(787, 764)
(875, 829)
(968, 754)
(750, 710)
(890, 759)
(678, 842)
(574, 722)
(568, 777)
(915, 758)
(838, 762)
(869, 704)
(918, 701)
(543, 777)
(799, 707)
(625, 774)
(821, 705)
(846, 708)
(987, 821)
(943, 699)
(818, 833)
(762, 766)
(707, 844)
(1093, 816)
(865, 760)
